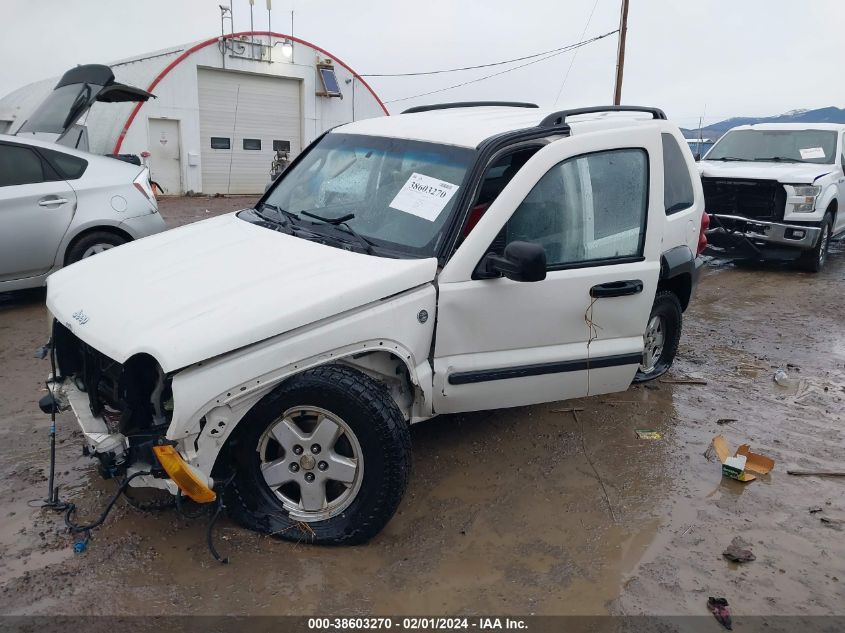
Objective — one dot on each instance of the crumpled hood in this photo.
(792, 173)
(205, 289)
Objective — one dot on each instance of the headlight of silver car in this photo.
(803, 198)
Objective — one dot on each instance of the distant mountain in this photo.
(821, 115)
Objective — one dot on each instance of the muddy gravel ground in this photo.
(521, 511)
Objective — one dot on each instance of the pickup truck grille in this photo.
(750, 198)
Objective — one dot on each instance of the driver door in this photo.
(579, 331)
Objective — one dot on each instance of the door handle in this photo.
(617, 289)
(49, 202)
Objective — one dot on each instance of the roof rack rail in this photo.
(469, 104)
(559, 118)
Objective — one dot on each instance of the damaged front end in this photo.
(747, 220)
(124, 412)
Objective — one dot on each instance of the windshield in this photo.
(400, 192)
(794, 146)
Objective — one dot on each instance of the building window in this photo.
(328, 79)
(252, 143)
(220, 142)
(281, 146)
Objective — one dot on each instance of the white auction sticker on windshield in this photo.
(424, 197)
(809, 153)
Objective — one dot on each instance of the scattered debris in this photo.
(836, 524)
(683, 381)
(726, 420)
(815, 509)
(743, 462)
(816, 473)
(645, 434)
(739, 551)
(719, 608)
(783, 379)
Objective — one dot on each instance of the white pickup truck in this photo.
(458, 257)
(773, 190)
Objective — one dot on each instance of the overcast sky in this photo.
(734, 57)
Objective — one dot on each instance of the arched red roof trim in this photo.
(214, 40)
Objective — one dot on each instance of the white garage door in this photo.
(241, 116)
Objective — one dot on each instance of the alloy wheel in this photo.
(653, 340)
(312, 461)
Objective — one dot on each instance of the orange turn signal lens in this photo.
(183, 475)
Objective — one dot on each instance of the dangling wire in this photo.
(218, 510)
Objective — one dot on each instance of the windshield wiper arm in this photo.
(286, 216)
(341, 222)
(727, 158)
(333, 221)
(777, 159)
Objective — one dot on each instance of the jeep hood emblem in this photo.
(81, 317)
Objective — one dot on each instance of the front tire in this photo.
(325, 458)
(814, 260)
(661, 338)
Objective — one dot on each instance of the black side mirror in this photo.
(697, 156)
(523, 261)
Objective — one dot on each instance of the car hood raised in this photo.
(208, 288)
(787, 173)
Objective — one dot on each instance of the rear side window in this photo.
(677, 186)
(19, 166)
(68, 167)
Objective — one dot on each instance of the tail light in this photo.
(702, 236)
(142, 184)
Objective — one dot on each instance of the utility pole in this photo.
(620, 53)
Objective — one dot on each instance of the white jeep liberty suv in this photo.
(457, 257)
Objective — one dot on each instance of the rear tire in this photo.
(814, 260)
(662, 336)
(91, 244)
(276, 444)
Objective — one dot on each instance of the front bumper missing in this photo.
(114, 448)
(98, 438)
(732, 233)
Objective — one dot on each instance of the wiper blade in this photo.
(727, 158)
(777, 159)
(333, 221)
(341, 222)
(285, 216)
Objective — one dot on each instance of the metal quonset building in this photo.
(223, 106)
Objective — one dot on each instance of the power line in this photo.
(502, 72)
(561, 49)
(572, 61)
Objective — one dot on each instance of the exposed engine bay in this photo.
(134, 401)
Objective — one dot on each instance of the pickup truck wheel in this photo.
(324, 458)
(661, 338)
(814, 260)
